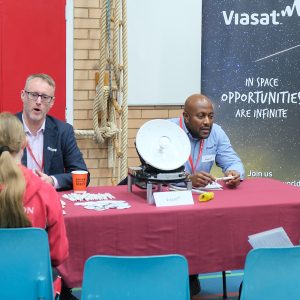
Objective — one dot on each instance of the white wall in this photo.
(164, 51)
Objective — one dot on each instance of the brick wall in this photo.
(86, 56)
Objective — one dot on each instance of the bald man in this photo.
(209, 145)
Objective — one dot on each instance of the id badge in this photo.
(208, 158)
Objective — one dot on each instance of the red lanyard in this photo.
(41, 167)
(194, 167)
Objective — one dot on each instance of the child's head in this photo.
(12, 182)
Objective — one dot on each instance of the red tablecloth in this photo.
(212, 235)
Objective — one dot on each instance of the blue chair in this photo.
(272, 274)
(25, 267)
(135, 278)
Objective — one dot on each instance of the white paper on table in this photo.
(274, 238)
(214, 186)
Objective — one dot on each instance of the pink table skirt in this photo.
(212, 235)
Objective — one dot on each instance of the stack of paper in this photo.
(274, 238)
(214, 186)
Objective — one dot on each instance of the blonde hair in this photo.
(42, 76)
(12, 181)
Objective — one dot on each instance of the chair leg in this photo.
(224, 285)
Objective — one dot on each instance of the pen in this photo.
(224, 178)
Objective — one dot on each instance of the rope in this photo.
(124, 117)
(110, 99)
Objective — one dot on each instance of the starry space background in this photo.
(229, 56)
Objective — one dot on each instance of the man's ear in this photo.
(186, 116)
(22, 95)
(52, 102)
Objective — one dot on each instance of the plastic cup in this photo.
(79, 181)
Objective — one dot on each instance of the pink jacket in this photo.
(43, 208)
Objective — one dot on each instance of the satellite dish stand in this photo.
(163, 148)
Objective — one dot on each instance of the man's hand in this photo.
(201, 179)
(44, 177)
(236, 178)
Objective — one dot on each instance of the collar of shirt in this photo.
(27, 130)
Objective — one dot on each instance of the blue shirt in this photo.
(216, 148)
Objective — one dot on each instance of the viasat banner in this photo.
(251, 70)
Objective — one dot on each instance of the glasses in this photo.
(34, 96)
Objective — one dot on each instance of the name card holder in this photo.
(173, 198)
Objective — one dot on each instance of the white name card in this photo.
(173, 198)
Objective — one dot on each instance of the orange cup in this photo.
(79, 181)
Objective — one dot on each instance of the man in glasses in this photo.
(51, 151)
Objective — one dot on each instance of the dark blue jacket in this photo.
(61, 153)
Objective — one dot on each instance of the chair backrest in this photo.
(25, 267)
(272, 273)
(135, 278)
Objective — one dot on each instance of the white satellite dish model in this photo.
(163, 148)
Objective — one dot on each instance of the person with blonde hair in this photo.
(25, 200)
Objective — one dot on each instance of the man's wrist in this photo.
(55, 182)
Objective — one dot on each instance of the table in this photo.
(213, 235)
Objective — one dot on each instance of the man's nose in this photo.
(39, 100)
(206, 120)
